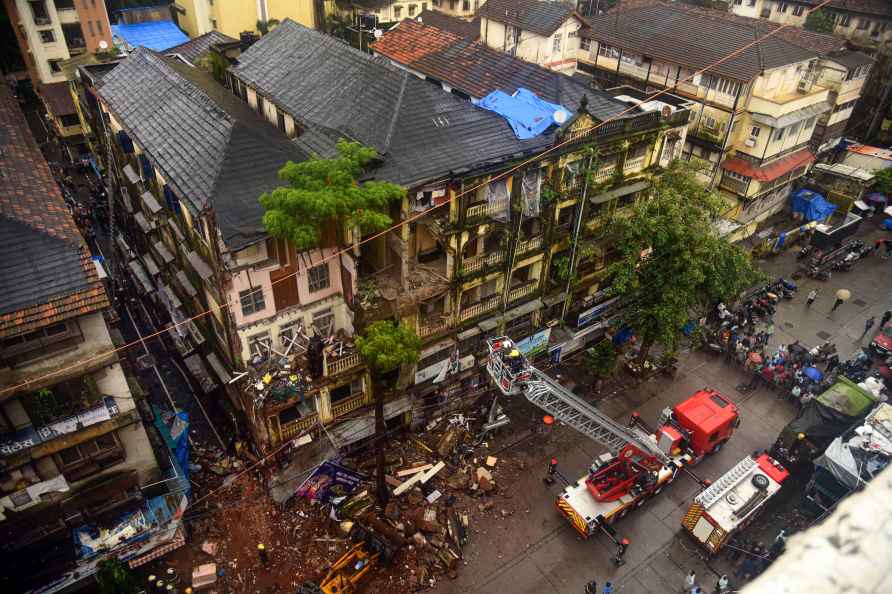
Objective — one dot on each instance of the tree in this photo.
(820, 21)
(320, 191)
(882, 180)
(384, 347)
(266, 26)
(115, 577)
(671, 259)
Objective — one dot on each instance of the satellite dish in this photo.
(560, 116)
(378, 33)
(103, 44)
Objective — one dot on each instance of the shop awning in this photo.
(150, 263)
(524, 309)
(142, 222)
(200, 266)
(130, 173)
(140, 273)
(186, 284)
(175, 302)
(354, 430)
(172, 223)
(772, 170)
(197, 368)
(151, 202)
(788, 119)
(122, 245)
(163, 252)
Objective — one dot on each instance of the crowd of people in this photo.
(85, 196)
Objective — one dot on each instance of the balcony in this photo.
(478, 309)
(342, 408)
(783, 104)
(633, 165)
(604, 173)
(292, 430)
(430, 327)
(734, 185)
(529, 245)
(483, 261)
(334, 365)
(486, 209)
(522, 291)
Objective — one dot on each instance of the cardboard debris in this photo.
(491, 461)
(392, 480)
(420, 477)
(433, 496)
(210, 548)
(411, 471)
(204, 576)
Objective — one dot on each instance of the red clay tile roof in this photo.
(58, 98)
(46, 274)
(772, 170)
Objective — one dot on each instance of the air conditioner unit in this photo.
(750, 142)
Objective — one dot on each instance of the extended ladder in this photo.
(726, 482)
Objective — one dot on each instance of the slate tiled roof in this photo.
(851, 59)
(195, 48)
(468, 29)
(58, 98)
(697, 39)
(867, 7)
(537, 16)
(333, 90)
(46, 274)
(211, 147)
(475, 69)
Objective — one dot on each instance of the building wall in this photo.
(234, 17)
(37, 51)
(457, 8)
(536, 48)
(193, 17)
(397, 11)
(95, 25)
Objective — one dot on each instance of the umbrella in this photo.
(843, 294)
(813, 373)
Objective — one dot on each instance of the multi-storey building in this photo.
(233, 17)
(50, 32)
(474, 260)
(73, 449)
(753, 128)
(538, 31)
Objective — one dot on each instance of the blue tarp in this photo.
(154, 35)
(528, 115)
(811, 204)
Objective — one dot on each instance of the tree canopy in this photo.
(882, 180)
(320, 191)
(114, 577)
(820, 21)
(385, 346)
(672, 260)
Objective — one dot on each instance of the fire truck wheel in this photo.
(717, 447)
(760, 481)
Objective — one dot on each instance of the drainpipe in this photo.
(571, 269)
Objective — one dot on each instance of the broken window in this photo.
(318, 278)
(252, 301)
(531, 185)
(497, 198)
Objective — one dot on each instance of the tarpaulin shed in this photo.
(811, 205)
(528, 115)
(830, 414)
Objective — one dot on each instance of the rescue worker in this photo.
(515, 361)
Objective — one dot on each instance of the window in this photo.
(863, 24)
(280, 120)
(252, 301)
(397, 12)
(39, 342)
(423, 6)
(573, 34)
(99, 27)
(798, 10)
(323, 322)
(794, 129)
(318, 278)
(710, 123)
(556, 44)
(412, 9)
(293, 331)
(354, 388)
(90, 28)
(259, 104)
(70, 119)
(466, 5)
(607, 51)
(810, 122)
(752, 2)
(738, 2)
(723, 85)
(755, 131)
(54, 66)
(259, 344)
(585, 44)
(778, 134)
(845, 20)
(783, 6)
(90, 457)
(47, 36)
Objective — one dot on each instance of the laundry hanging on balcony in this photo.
(527, 114)
(531, 187)
(497, 199)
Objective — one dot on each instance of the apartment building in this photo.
(49, 33)
(73, 448)
(753, 130)
(477, 264)
(538, 31)
(868, 23)
(233, 17)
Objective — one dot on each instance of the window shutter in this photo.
(284, 289)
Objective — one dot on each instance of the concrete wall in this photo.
(42, 52)
(535, 48)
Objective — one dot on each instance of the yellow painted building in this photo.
(232, 17)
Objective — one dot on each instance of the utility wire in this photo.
(24, 384)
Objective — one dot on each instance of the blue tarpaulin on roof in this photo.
(811, 204)
(154, 35)
(528, 115)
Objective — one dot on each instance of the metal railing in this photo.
(486, 209)
(431, 328)
(342, 408)
(340, 365)
(604, 173)
(479, 308)
(534, 243)
(522, 291)
(475, 263)
(633, 165)
(299, 426)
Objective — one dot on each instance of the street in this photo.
(536, 551)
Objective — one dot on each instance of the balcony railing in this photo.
(342, 408)
(340, 365)
(604, 173)
(479, 308)
(486, 209)
(522, 291)
(633, 165)
(529, 245)
(429, 328)
(291, 430)
(735, 185)
(475, 263)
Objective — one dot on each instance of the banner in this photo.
(535, 343)
(330, 480)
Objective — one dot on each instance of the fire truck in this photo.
(639, 461)
(729, 504)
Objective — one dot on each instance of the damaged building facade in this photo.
(481, 253)
(74, 453)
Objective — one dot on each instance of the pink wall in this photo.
(260, 277)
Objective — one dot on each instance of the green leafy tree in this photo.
(385, 346)
(671, 259)
(820, 21)
(114, 577)
(601, 359)
(321, 191)
(266, 26)
(882, 180)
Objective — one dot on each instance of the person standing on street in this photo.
(690, 582)
(812, 295)
(836, 304)
(721, 586)
(886, 317)
(868, 324)
(832, 362)
(608, 588)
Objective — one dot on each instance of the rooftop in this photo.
(468, 29)
(538, 16)
(154, 35)
(871, 7)
(194, 49)
(39, 242)
(333, 91)
(664, 32)
(475, 69)
(58, 98)
(212, 149)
